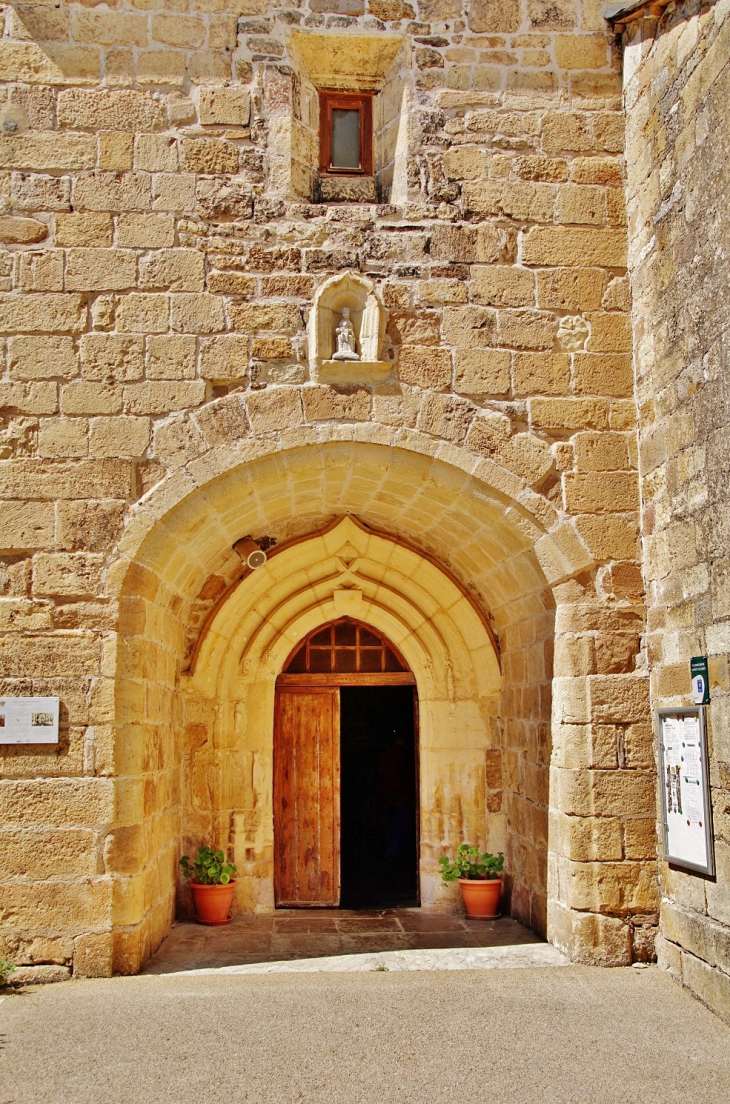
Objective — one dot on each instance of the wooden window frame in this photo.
(347, 101)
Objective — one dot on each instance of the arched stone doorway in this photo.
(476, 578)
(346, 803)
(346, 570)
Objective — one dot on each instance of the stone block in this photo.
(171, 357)
(192, 313)
(465, 163)
(140, 313)
(482, 371)
(74, 574)
(519, 200)
(238, 283)
(44, 974)
(608, 887)
(47, 357)
(179, 30)
(279, 317)
(323, 403)
(711, 985)
(442, 291)
(564, 131)
(109, 28)
(567, 246)
(609, 538)
(161, 68)
(93, 955)
(224, 358)
(91, 398)
(271, 348)
(27, 525)
(209, 155)
(581, 51)
(592, 493)
(494, 16)
(172, 270)
(119, 436)
(145, 231)
(84, 228)
(112, 191)
(446, 416)
(41, 313)
(17, 230)
(541, 373)
(588, 937)
(275, 409)
(526, 329)
(466, 244)
(424, 366)
(596, 170)
(88, 526)
(224, 106)
(100, 269)
(163, 397)
(48, 152)
(109, 109)
(610, 333)
(503, 286)
(601, 451)
(111, 358)
(63, 437)
(468, 327)
(116, 151)
(622, 793)
(570, 289)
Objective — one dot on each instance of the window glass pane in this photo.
(298, 662)
(345, 138)
(319, 661)
(322, 637)
(392, 663)
(370, 659)
(345, 633)
(345, 660)
(369, 639)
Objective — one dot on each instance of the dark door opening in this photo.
(379, 798)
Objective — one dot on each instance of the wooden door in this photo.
(307, 797)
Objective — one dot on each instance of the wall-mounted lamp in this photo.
(252, 555)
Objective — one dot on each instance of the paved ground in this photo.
(295, 934)
(575, 1035)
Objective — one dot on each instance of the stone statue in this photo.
(345, 334)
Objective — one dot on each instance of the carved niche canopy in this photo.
(368, 317)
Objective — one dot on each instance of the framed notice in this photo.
(684, 785)
(29, 720)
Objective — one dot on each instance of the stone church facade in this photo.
(520, 483)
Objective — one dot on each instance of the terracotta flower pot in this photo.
(481, 897)
(213, 902)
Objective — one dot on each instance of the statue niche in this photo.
(347, 332)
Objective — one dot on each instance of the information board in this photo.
(29, 720)
(684, 785)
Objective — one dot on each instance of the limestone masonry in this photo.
(495, 485)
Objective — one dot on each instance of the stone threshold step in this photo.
(449, 958)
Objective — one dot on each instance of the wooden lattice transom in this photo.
(344, 647)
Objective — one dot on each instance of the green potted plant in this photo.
(210, 878)
(480, 878)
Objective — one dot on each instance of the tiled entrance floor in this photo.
(295, 933)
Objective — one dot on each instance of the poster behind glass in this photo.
(684, 786)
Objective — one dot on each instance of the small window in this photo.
(344, 647)
(345, 134)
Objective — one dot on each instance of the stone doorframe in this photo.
(586, 874)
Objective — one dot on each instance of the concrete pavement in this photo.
(573, 1035)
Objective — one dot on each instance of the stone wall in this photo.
(162, 247)
(677, 83)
